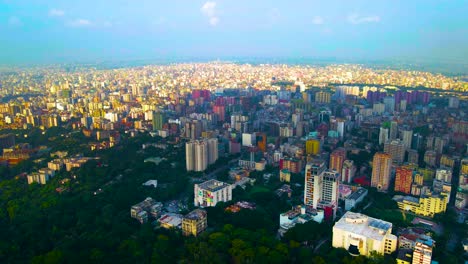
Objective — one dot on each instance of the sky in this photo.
(40, 31)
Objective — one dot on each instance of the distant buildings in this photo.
(211, 192)
(381, 169)
(194, 222)
(312, 146)
(360, 234)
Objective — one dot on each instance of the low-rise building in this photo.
(211, 192)
(170, 220)
(194, 222)
(424, 206)
(145, 209)
(361, 235)
(356, 197)
(299, 215)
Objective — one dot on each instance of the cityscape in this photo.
(228, 159)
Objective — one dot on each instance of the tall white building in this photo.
(407, 137)
(321, 186)
(383, 135)
(212, 150)
(249, 139)
(361, 235)
(211, 192)
(393, 130)
(201, 153)
(389, 103)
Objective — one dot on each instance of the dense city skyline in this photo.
(84, 31)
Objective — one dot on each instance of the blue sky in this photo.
(39, 31)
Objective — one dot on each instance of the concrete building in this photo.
(285, 175)
(360, 234)
(337, 157)
(424, 206)
(299, 215)
(249, 139)
(403, 179)
(201, 153)
(383, 135)
(211, 192)
(348, 171)
(312, 146)
(143, 210)
(396, 149)
(407, 137)
(422, 253)
(194, 222)
(356, 197)
(321, 187)
(381, 169)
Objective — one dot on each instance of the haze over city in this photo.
(37, 31)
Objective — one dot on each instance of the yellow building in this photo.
(194, 222)
(424, 206)
(322, 97)
(285, 175)
(312, 146)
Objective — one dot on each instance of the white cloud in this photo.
(80, 23)
(214, 21)
(107, 24)
(56, 13)
(358, 19)
(209, 10)
(318, 20)
(14, 21)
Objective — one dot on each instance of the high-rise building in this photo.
(158, 120)
(422, 253)
(194, 222)
(396, 149)
(212, 150)
(383, 135)
(312, 146)
(211, 192)
(321, 187)
(389, 103)
(261, 141)
(322, 97)
(360, 234)
(313, 182)
(249, 139)
(413, 157)
(348, 171)
(444, 174)
(201, 153)
(393, 130)
(403, 179)
(407, 137)
(337, 157)
(381, 169)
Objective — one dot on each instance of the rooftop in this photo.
(364, 225)
(213, 185)
(196, 214)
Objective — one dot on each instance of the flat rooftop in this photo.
(364, 225)
(213, 185)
